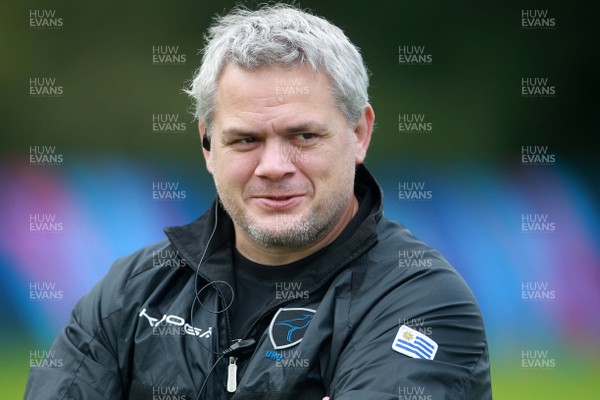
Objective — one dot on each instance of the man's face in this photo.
(282, 155)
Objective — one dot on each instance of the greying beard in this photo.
(297, 234)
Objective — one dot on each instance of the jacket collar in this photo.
(205, 243)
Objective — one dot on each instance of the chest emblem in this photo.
(289, 326)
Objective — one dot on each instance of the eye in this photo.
(305, 136)
(247, 140)
(243, 141)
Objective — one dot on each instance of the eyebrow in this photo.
(306, 127)
(299, 128)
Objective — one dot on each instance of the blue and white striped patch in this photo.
(414, 344)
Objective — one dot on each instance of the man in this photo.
(290, 286)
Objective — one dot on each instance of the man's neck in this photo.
(282, 255)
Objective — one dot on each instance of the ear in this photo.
(207, 153)
(363, 132)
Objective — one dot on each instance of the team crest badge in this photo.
(289, 326)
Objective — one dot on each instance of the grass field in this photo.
(570, 381)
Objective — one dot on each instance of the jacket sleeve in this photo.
(435, 302)
(85, 355)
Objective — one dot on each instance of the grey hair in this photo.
(280, 35)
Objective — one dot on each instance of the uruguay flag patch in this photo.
(414, 344)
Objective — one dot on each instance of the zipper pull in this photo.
(240, 347)
(232, 375)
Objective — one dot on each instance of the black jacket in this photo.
(141, 333)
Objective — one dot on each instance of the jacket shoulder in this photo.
(400, 263)
(405, 282)
(398, 249)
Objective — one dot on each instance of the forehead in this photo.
(272, 90)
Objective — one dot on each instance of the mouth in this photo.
(279, 197)
(278, 202)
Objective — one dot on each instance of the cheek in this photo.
(332, 160)
(322, 169)
(233, 171)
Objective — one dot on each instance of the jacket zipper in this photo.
(232, 363)
(232, 375)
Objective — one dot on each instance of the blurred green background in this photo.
(471, 93)
(471, 90)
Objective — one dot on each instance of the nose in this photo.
(276, 161)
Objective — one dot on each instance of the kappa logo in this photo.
(289, 326)
(162, 326)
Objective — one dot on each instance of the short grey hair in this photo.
(280, 35)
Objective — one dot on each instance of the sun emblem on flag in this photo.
(408, 336)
